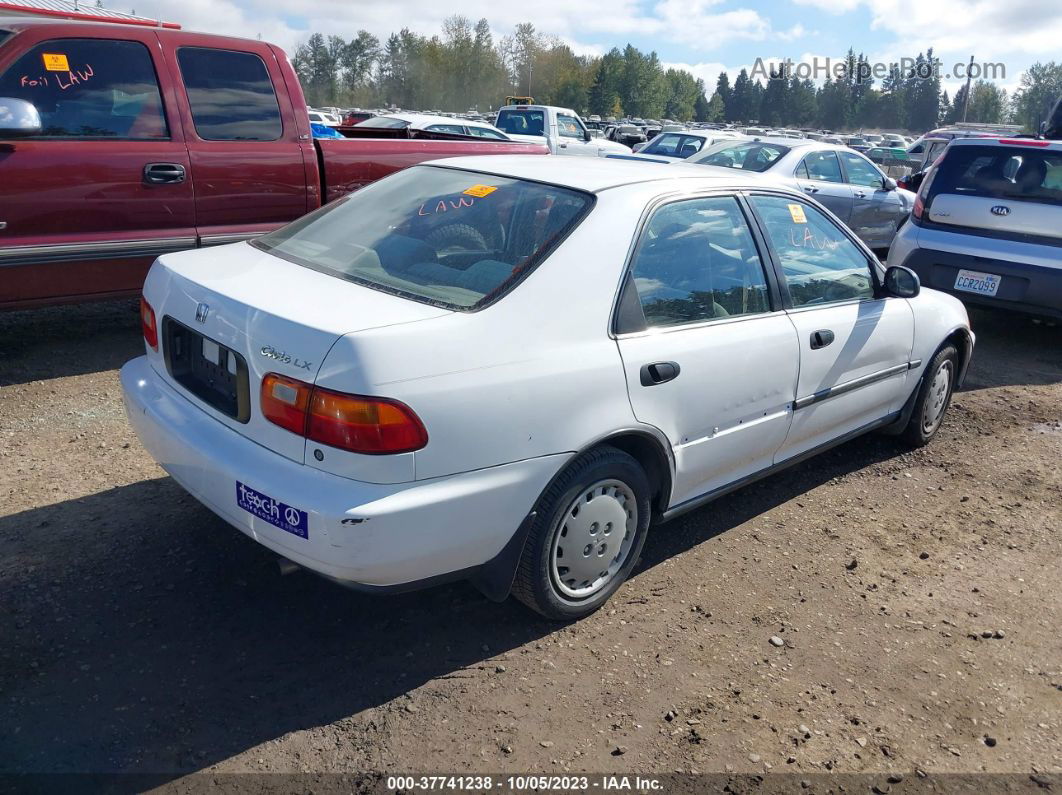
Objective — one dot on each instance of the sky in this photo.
(702, 36)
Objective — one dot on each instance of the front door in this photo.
(854, 347)
(819, 176)
(571, 137)
(245, 148)
(87, 205)
(876, 212)
(709, 359)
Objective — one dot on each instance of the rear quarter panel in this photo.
(351, 163)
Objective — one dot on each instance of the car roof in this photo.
(596, 174)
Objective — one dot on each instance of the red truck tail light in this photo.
(369, 425)
(147, 324)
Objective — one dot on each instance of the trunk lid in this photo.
(229, 315)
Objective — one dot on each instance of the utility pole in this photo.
(530, 67)
(966, 99)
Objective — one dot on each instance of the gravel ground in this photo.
(870, 610)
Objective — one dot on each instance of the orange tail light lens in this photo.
(368, 425)
(147, 324)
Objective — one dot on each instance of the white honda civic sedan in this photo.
(504, 369)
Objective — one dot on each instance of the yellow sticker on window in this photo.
(55, 62)
(797, 212)
(479, 191)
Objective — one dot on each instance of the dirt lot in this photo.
(917, 594)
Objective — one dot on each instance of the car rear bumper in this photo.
(1033, 289)
(375, 535)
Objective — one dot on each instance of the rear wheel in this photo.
(589, 530)
(934, 397)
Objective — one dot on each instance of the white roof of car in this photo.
(595, 174)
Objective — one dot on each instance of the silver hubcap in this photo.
(593, 539)
(937, 400)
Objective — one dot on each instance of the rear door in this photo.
(710, 358)
(819, 176)
(89, 203)
(854, 347)
(247, 152)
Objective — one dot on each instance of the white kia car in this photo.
(504, 368)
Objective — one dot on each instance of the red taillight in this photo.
(919, 207)
(1024, 142)
(284, 402)
(147, 324)
(368, 425)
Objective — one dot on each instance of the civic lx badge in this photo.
(272, 353)
(1000, 209)
(201, 312)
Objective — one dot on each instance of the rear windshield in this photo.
(386, 122)
(1002, 172)
(521, 122)
(452, 238)
(746, 155)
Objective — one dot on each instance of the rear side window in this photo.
(697, 261)
(230, 95)
(821, 166)
(485, 132)
(458, 239)
(90, 88)
(522, 122)
(1002, 172)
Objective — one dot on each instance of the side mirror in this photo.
(18, 118)
(587, 136)
(902, 282)
(888, 183)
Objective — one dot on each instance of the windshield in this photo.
(1002, 172)
(458, 239)
(746, 155)
(522, 122)
(386, 122)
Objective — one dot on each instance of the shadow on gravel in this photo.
(39, 344)
(142, 634)
(1013, 350)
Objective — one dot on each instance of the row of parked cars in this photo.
(398, 367)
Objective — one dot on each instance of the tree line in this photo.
(464, 68)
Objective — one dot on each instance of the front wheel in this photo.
(589, 530)
(934, 396)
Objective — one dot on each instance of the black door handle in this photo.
(821, 338)
(810, 189)
(164, 173)
(659, 373)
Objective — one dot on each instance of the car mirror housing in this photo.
(888, 183)
(586, 135)
(901, 282)
(18, 118)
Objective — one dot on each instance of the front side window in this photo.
(821, 166)
(861, 172)
(230, 94)
(90, 88)
(675, 145)
(697, 261)
(748, 156)
(820, 264)
(569, 127)
(452, 238)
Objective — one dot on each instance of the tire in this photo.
(568, 523)
(934, 397)
(456, 237)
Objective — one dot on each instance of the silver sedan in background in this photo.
(846, 182)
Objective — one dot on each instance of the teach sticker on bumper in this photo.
(289, 519)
